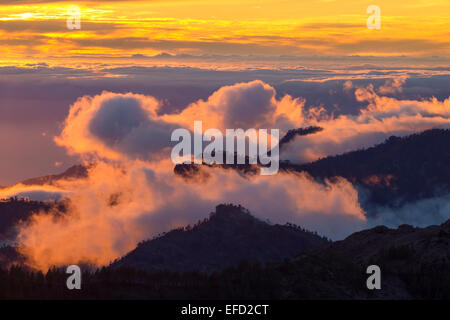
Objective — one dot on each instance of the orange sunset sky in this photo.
(180, 51)
(32, 30)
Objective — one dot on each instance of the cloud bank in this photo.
(116, 207)
(132, 193)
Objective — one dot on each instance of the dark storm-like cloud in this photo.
(122, 123)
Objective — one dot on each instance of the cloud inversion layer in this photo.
(132, 193)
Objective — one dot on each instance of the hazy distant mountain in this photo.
(228, 236)
(74, 172)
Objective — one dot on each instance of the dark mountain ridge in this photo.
(74, 172)
(414, 264)
(396, 171)
(229, 235)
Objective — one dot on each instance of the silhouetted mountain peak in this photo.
(229, 235)
(366, 245)
(229, 213)
(74, 172)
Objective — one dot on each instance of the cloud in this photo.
(133, 194)
(116, 207)
(38, 193)
(392, 86)
(381, 118)
(244, 105)
(113, 125)
(422, 213)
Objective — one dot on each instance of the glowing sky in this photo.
(45, 67)
(36, 29)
